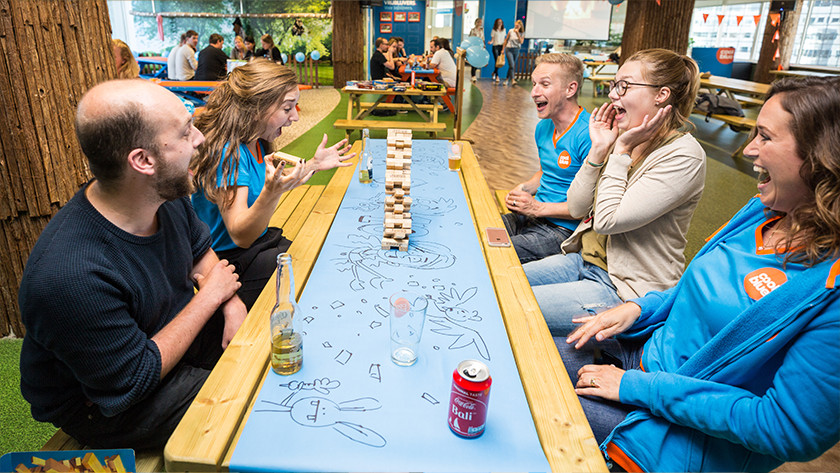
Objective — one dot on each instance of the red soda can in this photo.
(469, 398)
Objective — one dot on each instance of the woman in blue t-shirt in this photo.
(735, 368)
(239, 181)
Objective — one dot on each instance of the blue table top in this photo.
(367, 413)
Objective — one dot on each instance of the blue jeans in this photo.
(534, 238)
(603, 415)
(566, 286)
(511, 55)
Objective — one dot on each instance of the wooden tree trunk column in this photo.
(767, 60)
(52, 52)
(651, 25)
(348, 46)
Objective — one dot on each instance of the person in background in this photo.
(186, 62)
(497, 40)
(540, 220)
(173, 57)
(478, 32)
(393, 56)
(635, 194)
(238, 180)
(239, 52)
(513, 42)
(250, 44)
(735, 368)
(399, 50)
(118, 340)
(380, 63)
(443, 62)
(269, 50)
(127, 67)
(212, 61)
(237, 28)
(297, 28)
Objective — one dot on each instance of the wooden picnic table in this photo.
(358, 111)
(596, 66)
(208, 433)
(803, 73)
(730, 87)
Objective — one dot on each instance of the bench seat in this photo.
(145, 460)
(350, 125)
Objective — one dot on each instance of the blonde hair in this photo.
(520, 25)
(572, 67)
(129, 68)
(233, 116)
(267, 39)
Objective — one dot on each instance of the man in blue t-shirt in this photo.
(118, 341)
(540, 219)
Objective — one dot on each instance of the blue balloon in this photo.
(470, 41)
(315, 55)
(284, 58)
(477, 56)
(300, 57)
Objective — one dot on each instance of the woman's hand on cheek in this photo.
(643, 133)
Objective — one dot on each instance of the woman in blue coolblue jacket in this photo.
(736, 367)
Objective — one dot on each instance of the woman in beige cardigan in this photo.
(635, 194)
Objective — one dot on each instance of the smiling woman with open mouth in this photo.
(635, 194)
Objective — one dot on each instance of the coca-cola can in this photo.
(469, 398)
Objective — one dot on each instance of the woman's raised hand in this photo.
(332, 157)
(603, 130)
(644, 132)
(604, 325)
(278, 179)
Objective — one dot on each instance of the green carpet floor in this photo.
(18, 431)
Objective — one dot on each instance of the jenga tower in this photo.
(397, 188)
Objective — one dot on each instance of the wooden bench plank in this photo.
(207, 432)
(396, 106)
(501, 194)
(599, 80)
(748, 101)
(562, 427)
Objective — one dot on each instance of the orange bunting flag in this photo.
(659, 2)
(720, 19)
(738, 19)
(776, 56)
(705, 17)
(756, 19)
(775, 18)
(776, 36)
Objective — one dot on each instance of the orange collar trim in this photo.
(833, 273)
(556, 137)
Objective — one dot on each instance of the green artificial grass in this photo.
(18, 431)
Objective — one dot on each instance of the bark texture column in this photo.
(52, 52)
(767, 60)
(348, 42)
(649, 24)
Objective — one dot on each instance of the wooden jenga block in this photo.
(389, 232)
(388, 243)
(398, 209)
(398, 191)
(404, 246)
(406, 201)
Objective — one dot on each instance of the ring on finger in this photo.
(593, 383)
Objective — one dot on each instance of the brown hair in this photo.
(814, 104)
(267, 39)
(499, 24)
(233, 116)
(572, 67)
(677, 72)
(215, 38)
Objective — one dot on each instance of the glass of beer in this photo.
(407, 316)
(455, 157)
